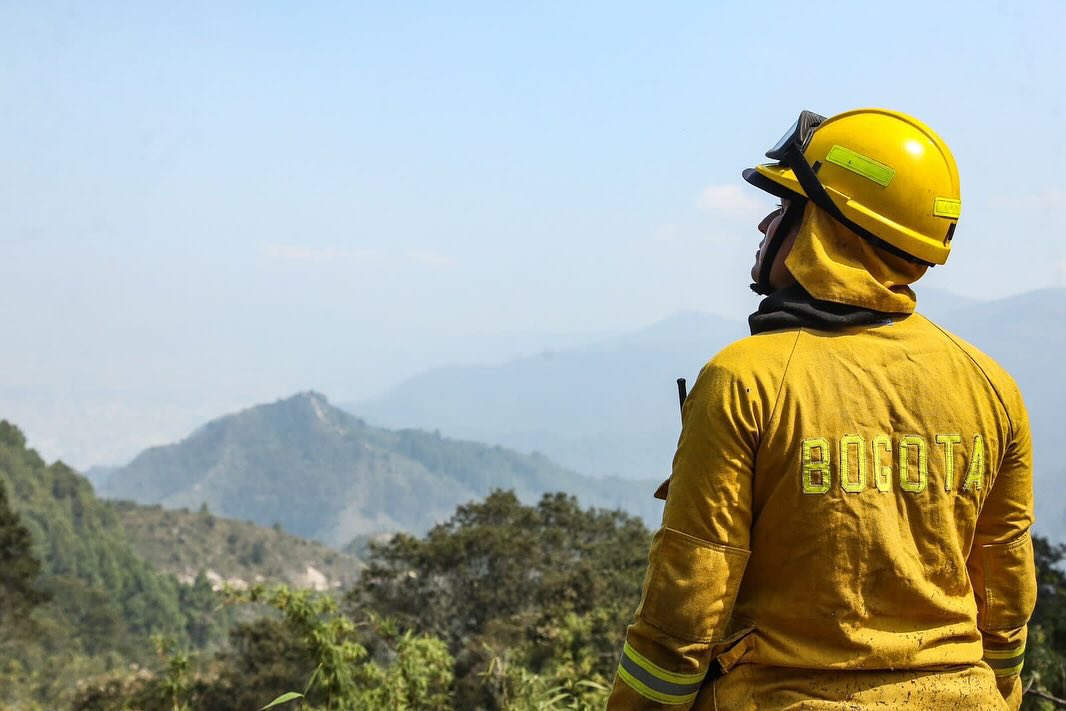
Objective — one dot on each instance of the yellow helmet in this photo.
(885, 175)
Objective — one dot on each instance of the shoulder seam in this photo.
(950, 337)
(784, 374)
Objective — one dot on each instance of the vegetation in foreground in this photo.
(504, 606)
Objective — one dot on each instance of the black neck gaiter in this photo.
(793, 307)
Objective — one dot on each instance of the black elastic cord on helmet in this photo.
(792, 217)
(816, 193)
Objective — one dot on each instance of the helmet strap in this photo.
(792, 217)
(808, 180)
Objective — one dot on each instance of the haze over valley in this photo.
(599, 421)
(341, 339)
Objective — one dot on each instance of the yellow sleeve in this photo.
(698, 557)
(1001, 564)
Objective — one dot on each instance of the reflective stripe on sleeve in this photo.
(1006, 662)
(655, 683)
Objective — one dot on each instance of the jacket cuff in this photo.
(655, 683)
(1006, 662)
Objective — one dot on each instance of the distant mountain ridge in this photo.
(611, 408)
(606, 409)
(327, 475)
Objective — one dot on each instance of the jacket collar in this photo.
(793, 307)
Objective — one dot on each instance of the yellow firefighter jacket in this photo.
(847, 524)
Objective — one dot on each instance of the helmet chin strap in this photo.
(792, 217)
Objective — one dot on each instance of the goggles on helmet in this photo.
(789, 152)
(797, 137)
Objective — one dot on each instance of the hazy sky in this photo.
(211, 203)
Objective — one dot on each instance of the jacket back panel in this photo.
(869, 479)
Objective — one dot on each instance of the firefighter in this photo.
(847, 520)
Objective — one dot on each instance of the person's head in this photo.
(882, 176)
(778, 234)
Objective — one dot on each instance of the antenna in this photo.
(682, 393)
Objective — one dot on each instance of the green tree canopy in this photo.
(1045, 659)
(550, 587)
(498, 560)
(19, 568)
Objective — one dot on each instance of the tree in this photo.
(548, 588)
(309, 652)
(1045, 659)
(19, 568)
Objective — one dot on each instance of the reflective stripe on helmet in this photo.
(947, 207)
(861, 165)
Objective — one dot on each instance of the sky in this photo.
(211, 204)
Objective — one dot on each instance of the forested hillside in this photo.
(187, 544)
(97, 603)
(325, 474)
(504, 606)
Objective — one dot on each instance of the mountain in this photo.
(611, 408)
(608, 409)
(938, 304)
(327, 475)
